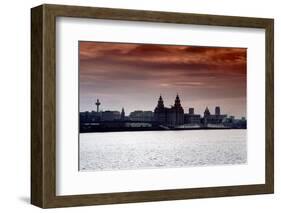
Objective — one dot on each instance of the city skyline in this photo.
(134, 75)
(127, 113)
(161, 118)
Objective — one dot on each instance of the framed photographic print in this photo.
(136, 106)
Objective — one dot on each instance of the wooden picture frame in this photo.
(43, 105)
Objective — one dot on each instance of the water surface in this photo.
(161, 149)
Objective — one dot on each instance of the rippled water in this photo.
(141, 150)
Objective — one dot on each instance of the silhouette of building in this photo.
(89, 117)
(217, 110)
(123, 114)
(162, 118)
(232, 122)
(110, 115)
(176, 113)
(216, 118)
(207, 112)
(160, 112)
(139, 115)
(173, 116)
(192, 118)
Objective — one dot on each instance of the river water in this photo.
(161, 149)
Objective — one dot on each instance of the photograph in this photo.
(140, 105)
(144, 106)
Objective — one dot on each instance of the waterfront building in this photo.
(160, 112)
(110, 115)
(207, 112)
(139, 115)
(233, 123)
(176, 113)
(217, 110)
(216, 118)
(123, 114)
(173, 116)
(89, 117)
(191, 118)
(162, 118)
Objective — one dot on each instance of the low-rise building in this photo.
(89, 117)
(139, 115)
(216, 118)
(110, 115)
(191, 118)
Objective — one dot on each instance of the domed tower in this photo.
(178, 104)
(160, 112)
(206, 117)
(176, 114)
(207, 112)
(160, 104)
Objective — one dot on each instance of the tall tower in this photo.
(217, 110)
(178, 102)
(160, 104)
(177, 113)
(207, 112)
(160, 112)
(98, 105)
(123, 114)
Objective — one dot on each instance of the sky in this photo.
(134, 75)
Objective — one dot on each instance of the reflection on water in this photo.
(160, 149)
